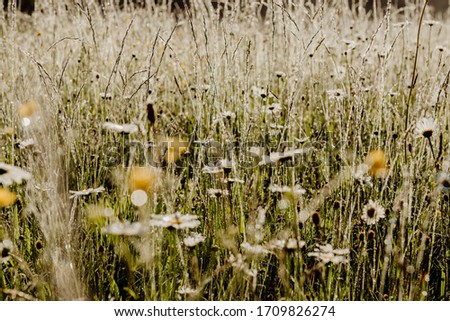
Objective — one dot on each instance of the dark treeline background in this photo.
(29, 6)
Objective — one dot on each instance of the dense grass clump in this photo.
(205, 155)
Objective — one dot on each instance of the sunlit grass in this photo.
(192, 157)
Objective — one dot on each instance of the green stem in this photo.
(414, 76)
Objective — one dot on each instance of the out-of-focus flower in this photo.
(256, 249)
(26, 143)
(212, 170)
(336, 93)
(326, 254)
(99, 212)
(139, 197)
(274, 108)
(193, 239)
(177, 221)
(8, 131)
(124, 228)
(27, 112)
(280, 74)
(6, 247)
(106, 96)
(361, 175)
(229, 115)
(258, 92)
(376, 162)
(289, 244)
(215, 192)
(86, 192)
(289, 193)
(283, 156)
(7, 198)
(186, 290)
(232, 180)
(443, 181)
(430, 23)
(11, 174)
(143, 178)
(124, 128)
(283, 204)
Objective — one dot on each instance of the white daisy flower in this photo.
(105, 96)
(293, 244)
(228, 115)
(239, 264)
(372, 212)
(393, 93)
(124, 228)
(291, 192)
(426, 127)
(11, 174)
(280, 74)
(6, 246)
(238, 261)
(254, 249)
(86, 191)
(401, 24)
(283, 156)
(443, 181)
(25, 143)
(276, 127)
(216, 192)
(274, 108)
(350, 43)
(124, 128)
(204, 87)
(361, 174)
(232, 180)
(277, 244)
(336, 93)
(212, 170)
(430, 23)
(289, 244)
(366, 89)
(193, 239)
(326, 254)
(258, 92)
(177, 221)
(441, 48)
(188, 291)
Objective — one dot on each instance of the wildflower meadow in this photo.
(215, 153)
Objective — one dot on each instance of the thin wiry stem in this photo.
(431, 147)
(414, 75)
